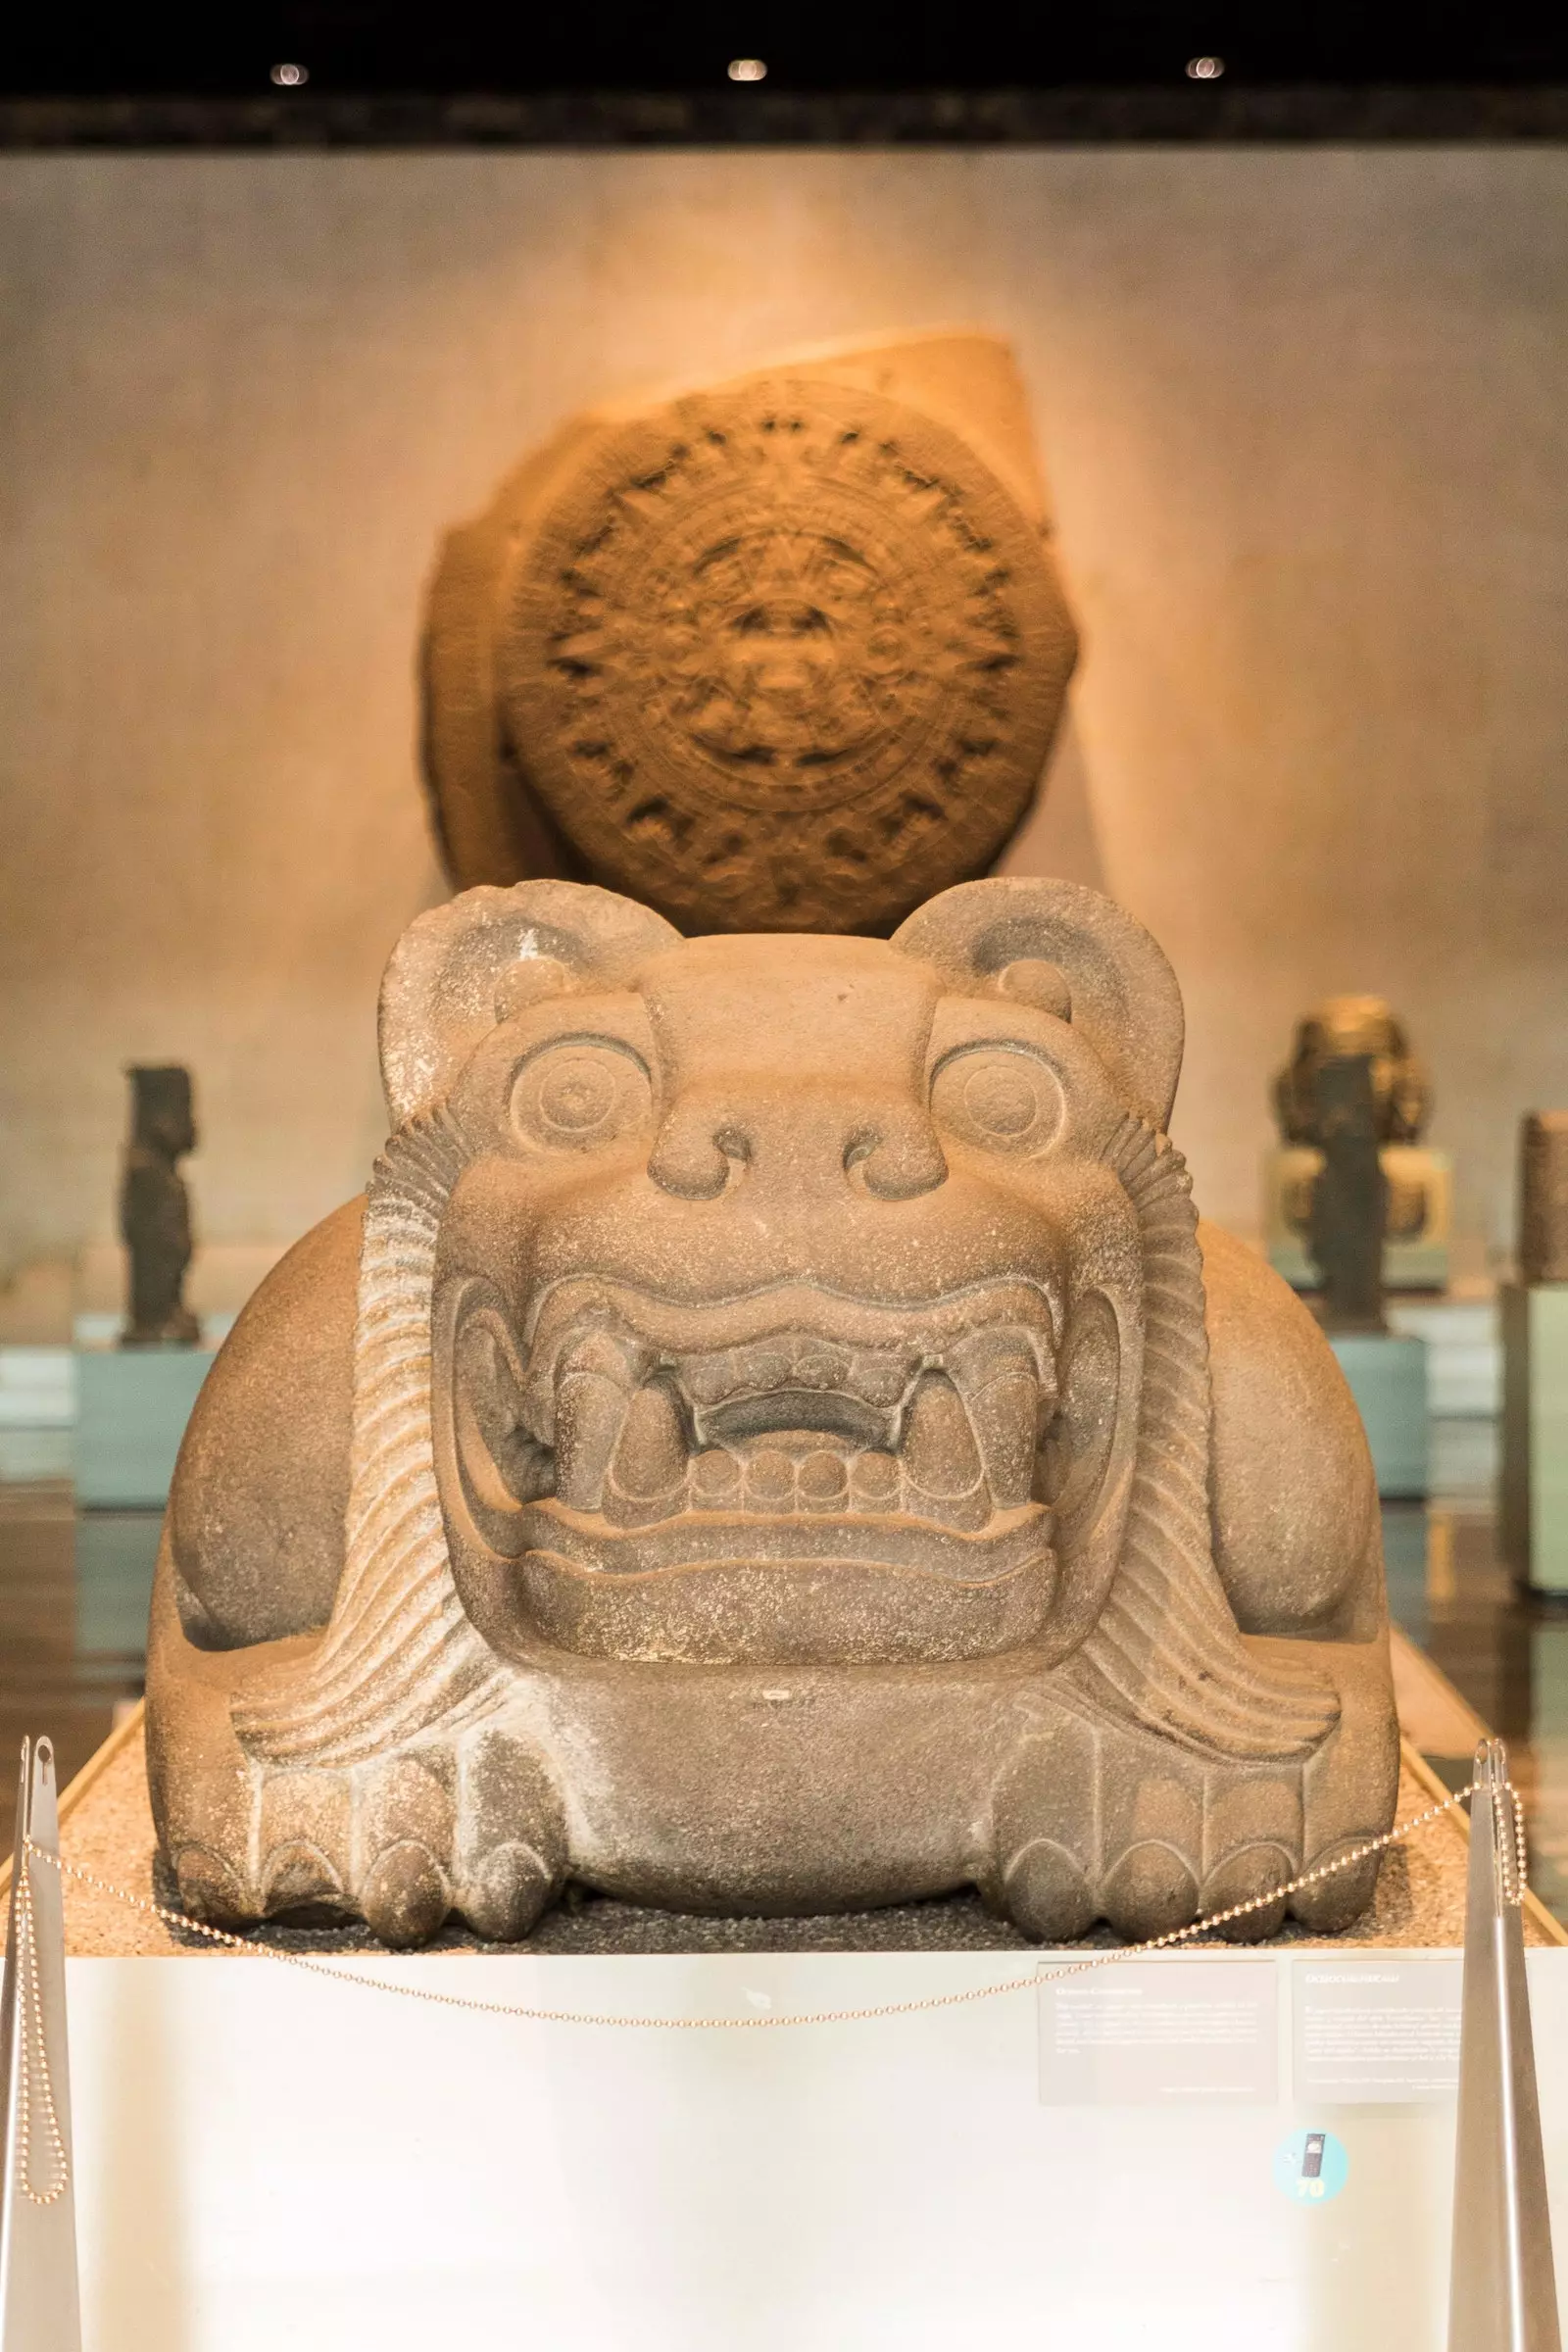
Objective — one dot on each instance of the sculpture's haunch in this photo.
(775, 1441)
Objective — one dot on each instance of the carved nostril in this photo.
(694, 1157)
(897, 1158)
(892, 1154)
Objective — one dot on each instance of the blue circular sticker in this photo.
(1311, 2167)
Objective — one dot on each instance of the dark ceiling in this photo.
(373, 48)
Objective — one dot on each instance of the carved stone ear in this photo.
(462, 968)
(1116, 985)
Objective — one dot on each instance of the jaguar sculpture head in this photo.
(758, 1449)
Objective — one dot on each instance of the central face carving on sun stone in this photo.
(790, 655)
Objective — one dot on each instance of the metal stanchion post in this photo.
(38, 2299)
(1503, 2292)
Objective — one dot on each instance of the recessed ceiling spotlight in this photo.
(290, 77)
(747, 69)
(1204, 69)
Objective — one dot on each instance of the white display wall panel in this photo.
(265, 2158)
(1535, 1449)
(1464, 1352)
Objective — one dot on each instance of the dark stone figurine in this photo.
(1543, 1197)
(155, 1209)
(1350, 1195)
(1402, 1092)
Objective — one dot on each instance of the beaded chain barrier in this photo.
(35, 2086)
(35, 2092)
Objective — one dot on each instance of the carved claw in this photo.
(1250, 1871)
(404, 1896)
(507, 1893)
(209, 1891)
(1152, 1890)
(1338, 1902)
(1045, 1894)
(512, 1840)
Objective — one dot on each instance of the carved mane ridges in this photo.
(1166, 1651)
(399, 1653)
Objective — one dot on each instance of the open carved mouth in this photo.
(816, 1457)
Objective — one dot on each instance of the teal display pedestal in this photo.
(1534, 1434)
(1387, 1377)
(133, 1405)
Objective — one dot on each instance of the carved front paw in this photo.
(471, 1825)
(1093, 1824)
(512, 1855)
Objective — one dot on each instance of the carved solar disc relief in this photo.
(787, 657)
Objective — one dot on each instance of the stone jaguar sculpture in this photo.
(773, 1438)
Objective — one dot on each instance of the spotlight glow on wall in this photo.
(1204, 69)
(290, 77)
(747, 69)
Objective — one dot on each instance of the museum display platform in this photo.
(265, 2152)
(133, 1405)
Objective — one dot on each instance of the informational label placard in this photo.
(1374, 2031)
(1145, 2033)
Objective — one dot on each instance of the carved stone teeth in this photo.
(986, 1354)
(940, 1454)
(1004, 1417)
(770, 1480)
(709, 1378)
(646, 1479)
(590, 1412)
(802, 1361)
(944, 1475)
(1009, 1388)
(967, 1436)
(878, 1379)
(874, 1481)
(997, 1376)
(715, 1483)
(596, 1376)
(823, 1481)
(766, 1367)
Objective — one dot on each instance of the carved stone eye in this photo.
(1000, 1098)
(580, 1094)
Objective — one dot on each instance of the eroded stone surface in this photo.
(781, 1464)
(780, 654)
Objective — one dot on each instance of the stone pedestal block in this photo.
(1535, 1433)
(132, 1407)
(1387, 1377)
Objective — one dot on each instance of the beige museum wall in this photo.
(1304, 417)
